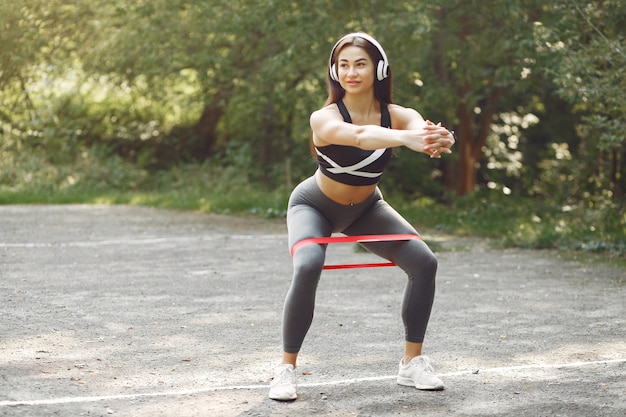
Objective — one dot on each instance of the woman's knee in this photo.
(419, 260)
(308, 262)
(428, 259)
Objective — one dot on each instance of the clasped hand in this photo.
(439, 140)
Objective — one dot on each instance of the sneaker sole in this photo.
(279, 398)
(407, 382)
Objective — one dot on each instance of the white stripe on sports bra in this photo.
(353, 169)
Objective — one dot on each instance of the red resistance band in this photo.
(357, 239)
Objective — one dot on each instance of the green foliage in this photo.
(155, 102)
(37, 33)
(589, 43)
(595, 226)
(413, 174)
(92, 170)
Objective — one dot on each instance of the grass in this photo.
(597, 229)
(238, 201)
(597, 233)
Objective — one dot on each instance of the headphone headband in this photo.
(382, 69)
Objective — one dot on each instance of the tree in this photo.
(587, 42)
(37, 35)
(476, 57)
(246, 75)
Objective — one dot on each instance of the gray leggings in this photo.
(311, 214)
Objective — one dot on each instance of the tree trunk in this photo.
(206, 126)
(466, 181)
(470, 143)
(618, 193)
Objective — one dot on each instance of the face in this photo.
(355, 69)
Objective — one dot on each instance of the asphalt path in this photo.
(131, 311)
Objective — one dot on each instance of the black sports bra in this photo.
(351, 165)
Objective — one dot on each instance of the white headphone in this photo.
(382, 69)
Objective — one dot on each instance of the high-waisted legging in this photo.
(312, 214)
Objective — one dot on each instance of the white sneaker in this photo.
(283, 387)
(420, 374)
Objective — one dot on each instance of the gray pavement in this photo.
(130, 311)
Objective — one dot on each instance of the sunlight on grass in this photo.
(506, 220)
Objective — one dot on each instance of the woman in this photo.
(353, 136)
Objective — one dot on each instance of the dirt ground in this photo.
(130, 311)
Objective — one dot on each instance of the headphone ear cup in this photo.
(333, 73)
(381, 72)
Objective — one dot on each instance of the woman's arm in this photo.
(410, 130)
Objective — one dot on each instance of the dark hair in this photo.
(382, 89)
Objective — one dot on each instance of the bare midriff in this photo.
(343, 193)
